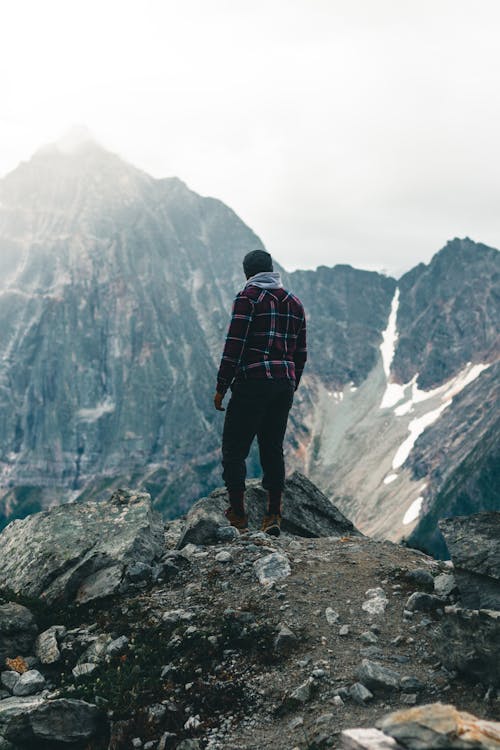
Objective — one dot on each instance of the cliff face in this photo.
(113, 314)
(114, 301)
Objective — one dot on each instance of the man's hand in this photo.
(218, 401)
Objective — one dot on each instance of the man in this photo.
(262, 363)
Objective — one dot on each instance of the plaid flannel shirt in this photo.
(266, 338)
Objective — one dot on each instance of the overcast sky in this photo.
(362, 131)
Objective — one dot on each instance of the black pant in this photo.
(257, 407)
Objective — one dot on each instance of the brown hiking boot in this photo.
(239, 522)
(271, 524)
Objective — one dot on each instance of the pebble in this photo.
(331, 616)
(368, 637)
(376, 601)
(360, 693)
(344, 630)
(271, 568)
(409, 699)
(285, 638)
(224, 556)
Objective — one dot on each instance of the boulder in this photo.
(377, 677)
(29, 683)
(47, 647)
(17, 630)
(474, 545)
(79, 551)
(33, 720)
(469, 641)
(307, 512)
(436, 725)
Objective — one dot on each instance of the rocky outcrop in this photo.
(469, 641)
(307, 512)
(238, 640)
(474, 545)
(80, 552)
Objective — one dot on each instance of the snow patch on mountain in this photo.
(413, 511)
(446, 392)
(390, 335)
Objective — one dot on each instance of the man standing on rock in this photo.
(262, 363)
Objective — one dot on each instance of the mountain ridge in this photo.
(114, 318)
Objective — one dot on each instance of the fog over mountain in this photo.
(115, 296)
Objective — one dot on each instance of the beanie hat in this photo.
(257, 261)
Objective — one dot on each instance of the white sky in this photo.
(361, 131)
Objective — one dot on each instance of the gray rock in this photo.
(344, 630)
(421, 578)
(17, 628)
(118, 646)
(29, 683)
(474, 542)
(421, 602)
(83, 670)
(46, 646)
(96, 652)
(301, 694)
(224, 556)
(376, 601)
(139, 571)
(307, 512)
(468, 641)
(444, 584)
(360, 694)
(332, 616)
(411, 684)
(35, 720)
(285, 638)
(409, 699)
(156, 713)
(227, 534)
(79, 551)
(203, 522)
(377, 677)
(176, 616)
(9, 679)
(271, 568)
(474, 545)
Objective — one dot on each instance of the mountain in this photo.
(114, 301)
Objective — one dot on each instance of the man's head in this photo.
(257, 261)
